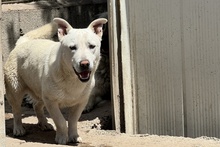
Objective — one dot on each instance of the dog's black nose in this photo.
(84, 64)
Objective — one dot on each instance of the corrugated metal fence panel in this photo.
(176, 57)
(155, 37)
(201, 35)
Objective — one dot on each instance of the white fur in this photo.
(45, 69)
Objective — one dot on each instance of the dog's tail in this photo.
(44, 32)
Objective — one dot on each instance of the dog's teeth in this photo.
(84, 75)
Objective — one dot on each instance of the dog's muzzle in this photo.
(84, 74)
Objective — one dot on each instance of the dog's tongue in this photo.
(84, 75)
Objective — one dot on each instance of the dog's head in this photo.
(81, 47)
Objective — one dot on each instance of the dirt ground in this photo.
(92, 128)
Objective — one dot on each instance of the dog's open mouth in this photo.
(84, 76)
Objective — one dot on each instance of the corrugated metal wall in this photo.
(155, 38)
(201, 51)
(175, 51)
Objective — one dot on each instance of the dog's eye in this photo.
(73, 47)
(91, 46)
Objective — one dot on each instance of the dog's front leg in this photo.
(74, 115)
(59, 120)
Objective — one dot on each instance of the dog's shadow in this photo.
(35, 134)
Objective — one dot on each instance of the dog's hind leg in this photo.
(15, 100)
(42, 120)
(15, 91)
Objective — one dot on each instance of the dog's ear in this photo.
(97, 25)
(63, 27)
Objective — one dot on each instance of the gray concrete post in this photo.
(2, 108)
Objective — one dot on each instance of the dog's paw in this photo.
(19, 131)
(61, 139)
(45, 126)
(75, 139)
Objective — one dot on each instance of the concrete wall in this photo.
(25, 17)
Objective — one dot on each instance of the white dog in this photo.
(55, 74)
